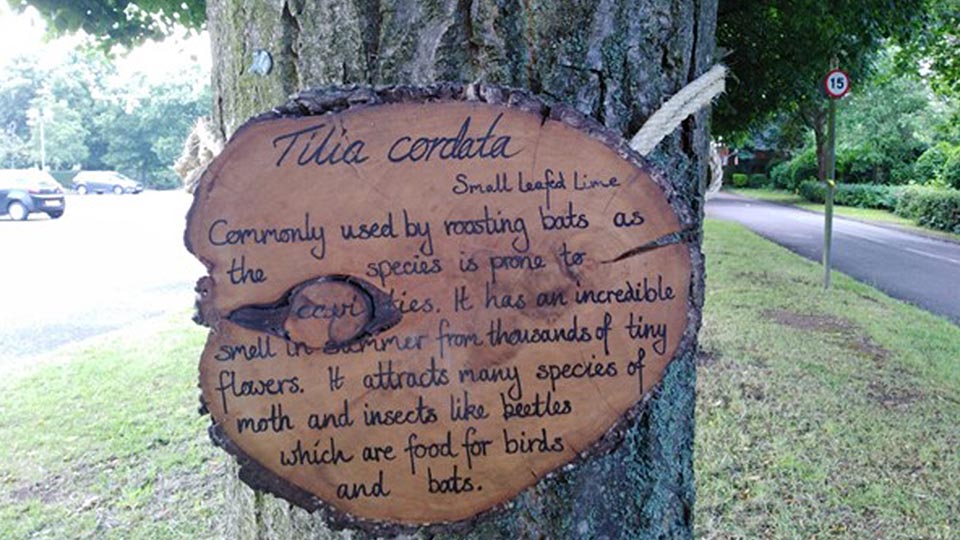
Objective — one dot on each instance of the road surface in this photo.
(917, 269)
(110, 261)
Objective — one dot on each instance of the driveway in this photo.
(917, 269)
(108, 262)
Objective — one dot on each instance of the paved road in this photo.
(108, 262)
(919, 270)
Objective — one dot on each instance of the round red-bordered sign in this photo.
(836, 84)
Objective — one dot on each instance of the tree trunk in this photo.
(815, 118)
(820, 141)
(615, 60)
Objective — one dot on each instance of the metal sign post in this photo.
(836, 84)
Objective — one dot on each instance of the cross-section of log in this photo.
(422, 303)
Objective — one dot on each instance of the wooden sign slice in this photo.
(423, 304)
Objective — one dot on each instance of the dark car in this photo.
(105, 182)
(24, 192)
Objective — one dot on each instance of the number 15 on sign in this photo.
(836, 84)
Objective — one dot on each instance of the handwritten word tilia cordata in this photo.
(331, 144)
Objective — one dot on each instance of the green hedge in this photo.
(740, 180)
(931, 207)
(812, 191)
(758, 181)
(858, 195)
(937, 208)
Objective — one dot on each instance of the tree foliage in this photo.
(146, 141)
(780, 51)
(64, 132)
(119, 21)
(893, 130)
(883, 129)
(936, 49)
(94, 118)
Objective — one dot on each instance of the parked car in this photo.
(105, 182)
(28, 191)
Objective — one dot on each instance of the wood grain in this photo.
(517, 331)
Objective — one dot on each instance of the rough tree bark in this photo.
(615, 60)
(815, 118)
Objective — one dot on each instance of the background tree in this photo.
(779, 53)
(892, 130)
(96, 118)
(63, 92)
(145, 137)
(119, 22)
(936, 49)
(79, 84)
(886, 126)
(12, 150)
(18, 87)
(63, 131)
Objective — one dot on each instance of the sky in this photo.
(20, 33)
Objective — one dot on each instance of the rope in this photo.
(202, 145)
(716, 171)
(687, 101)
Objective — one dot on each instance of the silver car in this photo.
(105, 182)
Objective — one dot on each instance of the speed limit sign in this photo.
(837, 84)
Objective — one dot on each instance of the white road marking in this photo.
(931, 255)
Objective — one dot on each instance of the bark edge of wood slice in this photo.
(304, 441)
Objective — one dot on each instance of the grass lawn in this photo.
(107, 444)
(862, 214)
(819, 416)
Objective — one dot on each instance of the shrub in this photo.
(864, 165)
(813, 190)
(780, 175)
(902, 173)
(867, 196)
(758, 181)
(950, 173)
(802, 167)
(858, 195)
(930, 164)
(856, 166)
(931, 207)
(908, 204)
(739, 180)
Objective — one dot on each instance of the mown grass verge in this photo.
(863, 214)
(819, 416)
(107, 444)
